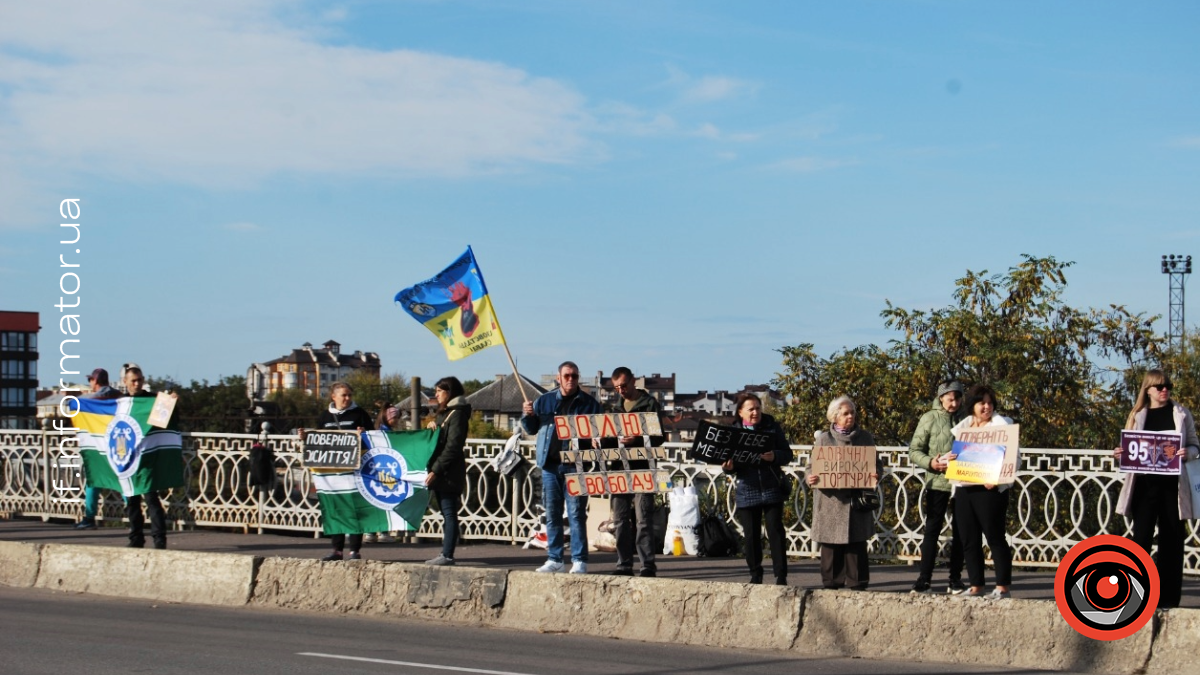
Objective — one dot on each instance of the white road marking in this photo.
(432, 666)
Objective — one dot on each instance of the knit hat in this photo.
(947, 387)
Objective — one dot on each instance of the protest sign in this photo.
(985, 455)
(331, 449)
(844, 466)
(613, 425)
(160, 414)
(715, 444)
(1158, 452)
(592, 484)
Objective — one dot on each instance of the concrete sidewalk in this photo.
(1028, 583)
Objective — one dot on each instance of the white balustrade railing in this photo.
(1061, 496)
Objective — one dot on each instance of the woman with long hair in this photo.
(447, 468)
(1151, 500)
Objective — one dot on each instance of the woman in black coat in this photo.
(762, 490)
(447, 467)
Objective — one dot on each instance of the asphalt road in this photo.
(51, 633)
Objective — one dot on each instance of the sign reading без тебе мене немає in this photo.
(602, 481)
(332, 449)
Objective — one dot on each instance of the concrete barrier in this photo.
(1175, 646)
(462, 594)
(717, 614)
(19, 563)
(1016, 633)
(169, 576)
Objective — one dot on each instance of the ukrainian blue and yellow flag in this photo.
(456, 308)
(122, 452)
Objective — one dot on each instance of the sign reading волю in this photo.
(331, 449)
(844, 466)
(611, 425)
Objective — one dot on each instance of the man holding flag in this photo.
(123, 451)
(567, 399)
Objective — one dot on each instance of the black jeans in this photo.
(936, 503)
(137, 522)
(1155, 500)
(633, 519)
(751, 519)
(982, 513)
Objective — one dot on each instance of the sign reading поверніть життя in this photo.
(601, 480)
(332, 449)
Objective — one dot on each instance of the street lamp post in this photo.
(1178, 267)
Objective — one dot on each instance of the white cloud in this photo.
(1189, 142)
(811, 164)
(223, 93)
(708, 88)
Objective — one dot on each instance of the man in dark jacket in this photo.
(633, 512)
(100, 389)
(567, 399)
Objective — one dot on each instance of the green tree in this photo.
(478, 428)
(373, 393)
(1058, 371)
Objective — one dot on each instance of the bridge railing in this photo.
(1060, 498)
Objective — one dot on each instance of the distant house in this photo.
(715, 404)
(500, 402)
(308, 369)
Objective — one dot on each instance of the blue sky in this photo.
(674, 186)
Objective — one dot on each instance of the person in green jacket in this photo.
(931, 444)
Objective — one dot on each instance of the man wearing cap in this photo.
(930, 446)
(91, 496)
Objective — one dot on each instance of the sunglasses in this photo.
(1165, 386)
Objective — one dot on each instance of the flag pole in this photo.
(520, 385)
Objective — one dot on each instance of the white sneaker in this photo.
(369, 538)
(551, 566)
(578, 567)
(386, 539)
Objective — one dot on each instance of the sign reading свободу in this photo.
(602, 481)
(332, 449)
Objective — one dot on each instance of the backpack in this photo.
(717, 539)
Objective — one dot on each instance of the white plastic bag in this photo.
(684, 518)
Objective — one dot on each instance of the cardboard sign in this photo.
(985, 455)
(844, 466)
(160, 414)
(715, 444)
(617, 483)
(613, 455)
(332, 449)
(612, 425)
(1158, 452)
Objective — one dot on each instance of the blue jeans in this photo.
(554, 485)
(91, 503)
(449, 525)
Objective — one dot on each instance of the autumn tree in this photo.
(1058, 371)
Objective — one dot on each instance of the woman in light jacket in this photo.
(982, 510)
(841, 531)
(1152, 499)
